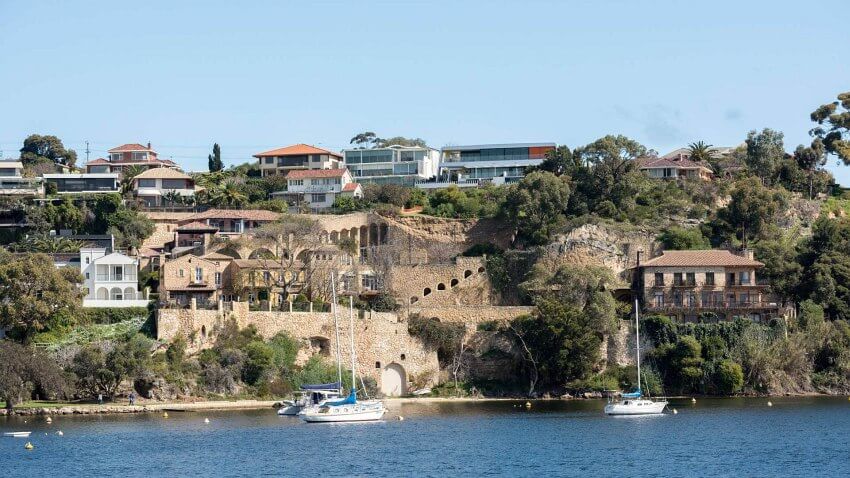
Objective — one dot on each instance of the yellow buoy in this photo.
(206, 420)
(769, 403)
(693, 400)
(165, 415)
(49, 420)
(29, 446)
(527, 404)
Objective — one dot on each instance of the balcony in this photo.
(697, 305)
(116, 277)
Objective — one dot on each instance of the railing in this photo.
(116, 277)
(711, 305)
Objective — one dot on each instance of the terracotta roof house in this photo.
(663, 168)
(131, 154)
(189, 278)
(297, 156)
(158, 187)
(318, 188)
(706, 285)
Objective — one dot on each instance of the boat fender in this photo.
(693, 400)
(29, 446)
(206, 420)
(769, 403)
(675, 412)
(49, 420)
(400, 418)
(60, 433)
(527, 404)
(165, 415)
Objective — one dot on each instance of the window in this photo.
(745, 278)
(140, 156)
(659, 279)
(199, 274)
(87, 260)
(296, 182)
(709, 278)
(677, 278)
(218, 278)
(658, 299)
(115, 157)
(87, 275)
(174, 184)
(147, 183)
(731, 279)
(690, 278)
(269, 160)
(691, 299)
(267, 276)
(316, 197)
(181, 273)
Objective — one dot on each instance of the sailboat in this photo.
(348, 409)
(634, 403)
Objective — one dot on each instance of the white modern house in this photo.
(488, 163)
(318, 188)
(12, 182)
(393, 164)
(110, 280)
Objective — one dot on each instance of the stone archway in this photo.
(393, 380)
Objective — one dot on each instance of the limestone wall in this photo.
(463, 281)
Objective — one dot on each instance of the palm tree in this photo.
(173, 198)
(228, 195)
(700, 152)
(127, 175)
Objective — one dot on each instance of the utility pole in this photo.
(87, 151)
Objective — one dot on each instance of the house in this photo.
(110, 280)
(12, 182)
(257, 280)
(715, 151)
(132, 154)
(82, 183)
(686, 284)
(192, 277)
(318, 188)
(393, 164)
(675, 168)
(232, 222)
(493, 163)
(158, 186)
(295, 157)
(194, 237)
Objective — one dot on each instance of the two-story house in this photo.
(156, 186)
(318, 188)
(192, 277)
(110, 280)
(82, 183)
(132, 154)
(686, 284)
(13, 183)
(297, 156)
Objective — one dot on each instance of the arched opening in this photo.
(334, 237)
(441, 286)
(230, 251)
(261, 253)
(129, 293)
(454, 282)
(403, 356)
(414, 300)
(481, 269)
(383, 231)
(115, 294)
(426, 292)
(322, 345)
(467, 273)
(377, 364)
(393, 380)
(103, 294)
(373, 234)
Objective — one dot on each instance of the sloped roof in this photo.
(350, 187)
(669, 163)
(97, 161)
(114, 258)
(162, 173)
(701, 258)
(296, 150)
(252, 214)
(216, 256)
(11, 164)
(130, 147)
(315, 173)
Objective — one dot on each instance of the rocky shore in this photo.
(93, 409)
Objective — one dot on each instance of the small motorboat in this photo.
(16, 434)
(309, 396)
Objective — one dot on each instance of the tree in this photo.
(728, 377)
(607, 182)
(401, 141)
(39, 148)
(834, 127)
(765, 152)
(229, 194)
(23, 369)
(559, 161)
(394, 194)
(781, 268)
(364, 139)
(700, 152)
(753, 206)
(681, 238)
(127, 175)
(826, 267)
(32, 290)
(260, 359)
(129, 227)
(214, 161)
(536, 205)
(98, 372)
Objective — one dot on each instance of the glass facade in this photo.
(84, 184)
(495, 154)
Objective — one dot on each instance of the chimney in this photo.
(149, 145)
(747, 253)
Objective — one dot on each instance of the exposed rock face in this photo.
(606, 245)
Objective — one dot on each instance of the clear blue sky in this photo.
(253, 76)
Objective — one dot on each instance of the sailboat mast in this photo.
(353, 356)
(336, 327)
(637, 341)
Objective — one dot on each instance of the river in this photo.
(714, 437)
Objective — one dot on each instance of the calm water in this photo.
(729, 437)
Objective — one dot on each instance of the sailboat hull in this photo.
(636, 407)
(349, 413)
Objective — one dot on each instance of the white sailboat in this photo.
(349, 409)
(310, 395)
(634, 403)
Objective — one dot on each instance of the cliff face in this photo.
(606, 245)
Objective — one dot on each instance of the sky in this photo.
(254, 76)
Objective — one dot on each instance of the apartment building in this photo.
(395, 164)
(685, 285)
(494, 163)
(318, 189)
(13, 183)
(296, 157)
(110, 280)
(159, 186)
(131, 154)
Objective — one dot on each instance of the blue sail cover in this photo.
(351, 399)
(322, 386)
(636, 394)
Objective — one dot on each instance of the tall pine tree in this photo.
(214, 160)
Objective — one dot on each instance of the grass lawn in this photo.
(39, 404)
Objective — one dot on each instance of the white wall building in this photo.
(394, 164)
(12, 182)
(318, 188)
(111, 280)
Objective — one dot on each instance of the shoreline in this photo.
(218, 405)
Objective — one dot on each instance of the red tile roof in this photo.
(350, 187)
(296, 150)
(129, 147)
(315, 173)
(702, 258)
(97, 161)
(250, 214)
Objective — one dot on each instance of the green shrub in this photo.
(728, 377)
